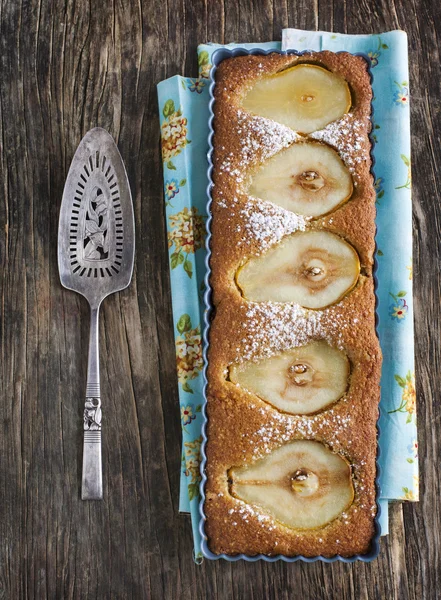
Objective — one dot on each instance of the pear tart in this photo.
(294, 361)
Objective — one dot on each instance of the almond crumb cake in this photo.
(294, 360)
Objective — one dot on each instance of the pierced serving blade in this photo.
(96, 246)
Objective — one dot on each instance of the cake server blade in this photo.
(96, 246)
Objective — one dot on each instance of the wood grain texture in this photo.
(68, 66)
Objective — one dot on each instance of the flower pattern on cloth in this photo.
(374, 55)
(187, 235)
(401, 95)
(204, 64)
(412, 494)
(398, 310)
(196, 85)
(408, 396)
(187, 415)
(173, 133)
(412, 448)
(192, 452)
(407, 184)
(378, 185)
(171, 189)
(188, 352)
(375, 128)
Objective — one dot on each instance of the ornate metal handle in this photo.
(92, 480)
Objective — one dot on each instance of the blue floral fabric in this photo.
(183, 105)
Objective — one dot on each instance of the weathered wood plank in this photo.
(66, 67)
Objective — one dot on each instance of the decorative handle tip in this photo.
(92, 480)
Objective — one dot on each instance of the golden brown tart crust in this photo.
(242, 427)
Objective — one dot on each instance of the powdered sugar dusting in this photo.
(274, 327)
(246, 510)
(258, 137)
(261, 135)
(347, 135)
(268, 223)
(261, 221)
(277, 427)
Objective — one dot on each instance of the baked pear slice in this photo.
(300, 381)
(313, 269)
(307, 179)
(305, 97)
(301, 484)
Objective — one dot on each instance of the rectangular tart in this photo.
(293, 360)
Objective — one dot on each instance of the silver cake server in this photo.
(96, 246)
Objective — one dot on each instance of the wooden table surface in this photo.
(71, 65)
